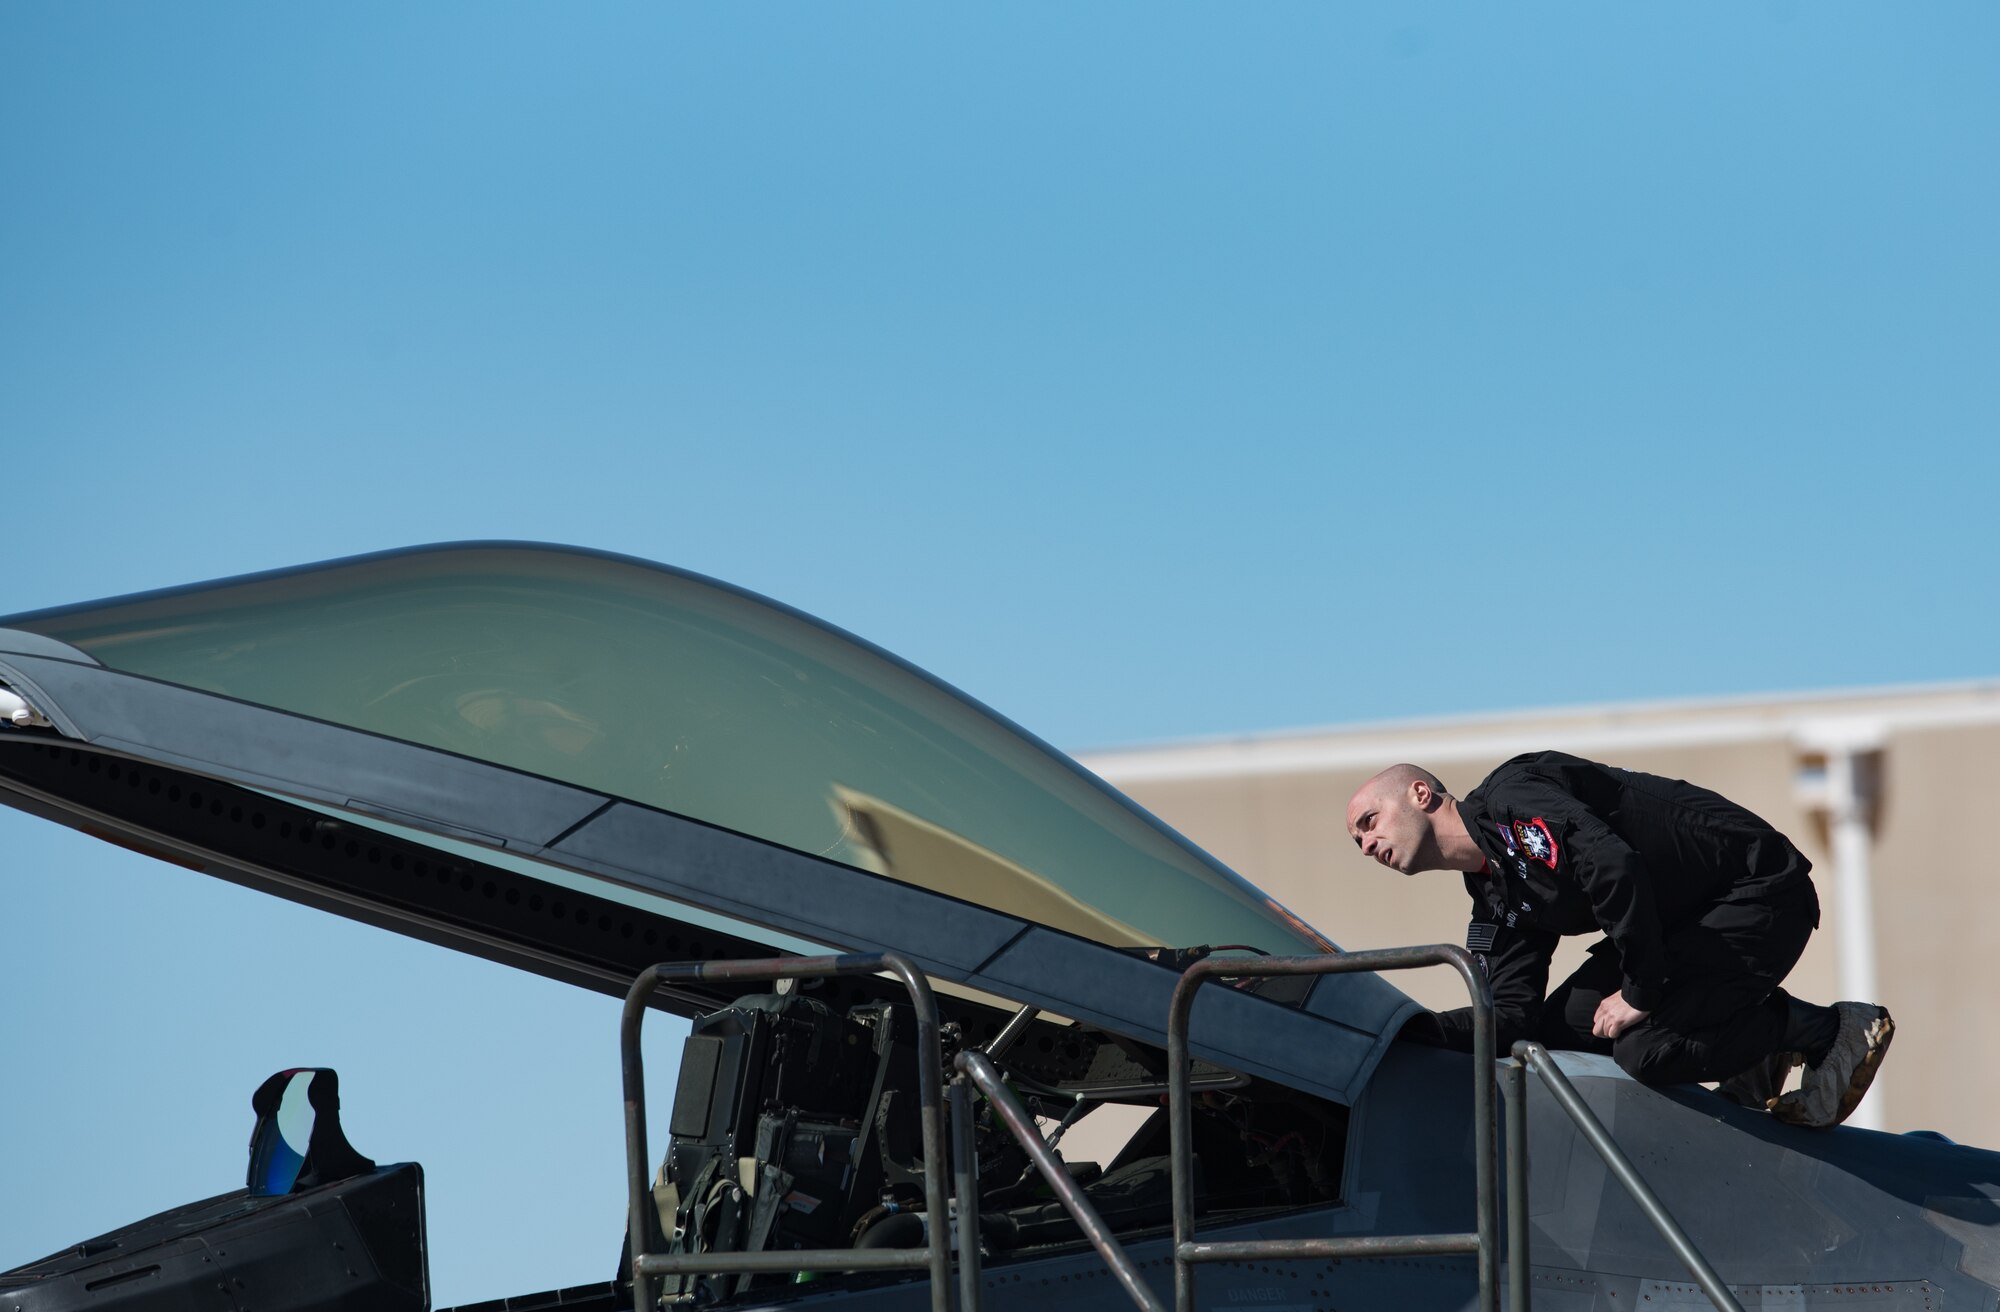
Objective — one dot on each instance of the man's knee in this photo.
(1654, 1056)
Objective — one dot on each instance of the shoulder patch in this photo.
(1536, 840)
(1479, 936)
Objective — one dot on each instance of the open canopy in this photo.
(649, 698)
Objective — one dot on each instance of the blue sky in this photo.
(1146, 371)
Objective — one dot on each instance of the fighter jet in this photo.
(582, 765)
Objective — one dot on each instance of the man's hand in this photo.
(1615, 1016)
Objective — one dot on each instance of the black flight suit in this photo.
(1703, 906)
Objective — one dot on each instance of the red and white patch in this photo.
(1536, 840)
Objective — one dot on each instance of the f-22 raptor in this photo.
(583, 765)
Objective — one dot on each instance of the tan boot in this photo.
(1831, 1090)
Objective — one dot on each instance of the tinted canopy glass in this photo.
(676, 692)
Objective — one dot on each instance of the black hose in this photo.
(896, 1230)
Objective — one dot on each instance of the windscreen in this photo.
(676, 692)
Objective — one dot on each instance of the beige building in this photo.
(1887, 790)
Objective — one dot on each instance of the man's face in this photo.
(1393, 826)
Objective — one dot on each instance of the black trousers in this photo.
(1724, 1009)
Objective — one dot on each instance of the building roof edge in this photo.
(1597, 728)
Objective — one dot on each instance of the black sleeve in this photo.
(1609, 873)
(1516, 963)
(1621, 897)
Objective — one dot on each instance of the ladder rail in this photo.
(1483, 1242)
(979, 1068)
(1530, 1056)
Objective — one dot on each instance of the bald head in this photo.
(1392, 818)
(1398, 778)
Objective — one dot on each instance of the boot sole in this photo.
(1880, 1031)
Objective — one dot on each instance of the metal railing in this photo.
(975, 1068)
(980, 1069)
(1484, 1242)
(936, 1253)
(1533, 1056)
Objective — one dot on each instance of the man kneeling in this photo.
(1704, 909)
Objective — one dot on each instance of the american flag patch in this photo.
(1479, 936)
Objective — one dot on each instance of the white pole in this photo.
(1848, 822)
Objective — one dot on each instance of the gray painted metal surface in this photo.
(1789, 1217)
(1533, 1057)
(25, 643)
